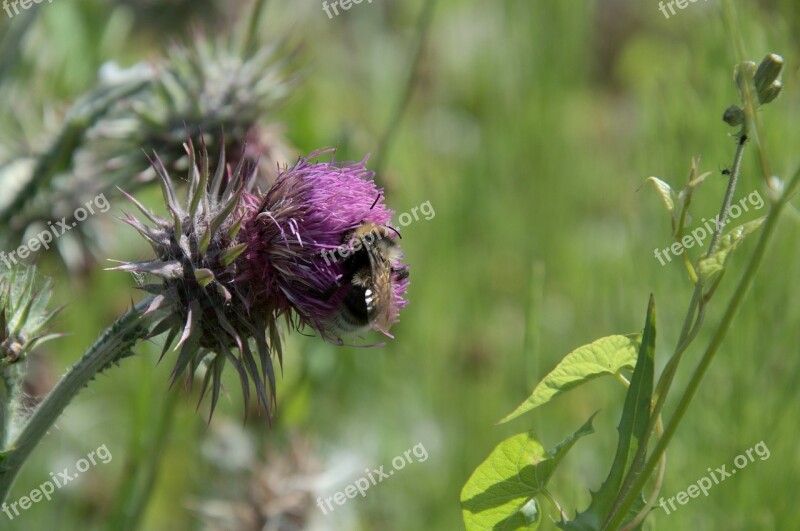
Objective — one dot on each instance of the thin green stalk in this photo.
(691, 326)
(133, 507)
(12, 43)
(726, 202)
(695, 313)
(423, 25)
(711, 350)
(731, 25)
(110, 348)
(8, 403)
(250, 42)
(662, 470)
(557, 506)
(531, 343)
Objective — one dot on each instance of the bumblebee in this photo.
(369, 274)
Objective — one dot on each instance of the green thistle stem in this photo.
(6, 396)
(110, 348)
(9, 402)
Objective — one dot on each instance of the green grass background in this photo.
(531, 129)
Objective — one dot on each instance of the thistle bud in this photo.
(233, 260)
(24, 321)
(195, 258)
(24, 317)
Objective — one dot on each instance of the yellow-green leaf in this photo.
(710, 267)
(607, 355)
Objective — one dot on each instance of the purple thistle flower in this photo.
(233, 261)
(301, 248)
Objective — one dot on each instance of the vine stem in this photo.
(689, 330)
(695, 313)
(662, 469)
(708, 355)
(557, 506)
(110, 348)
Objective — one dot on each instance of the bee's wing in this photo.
(382, 290)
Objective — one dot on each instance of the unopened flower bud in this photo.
(742, 74)
(768, 72)
(24, 317)
(771, 92)
(733, 116)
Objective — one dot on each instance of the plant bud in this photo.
(733, 116)
(744, 73)
(770, 93)
(768, 72)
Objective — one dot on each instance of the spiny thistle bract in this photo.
(235, 260)
(24, 324)
(24, 316)
(199, 89)
(207, 86)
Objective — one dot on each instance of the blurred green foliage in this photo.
(531, 129)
